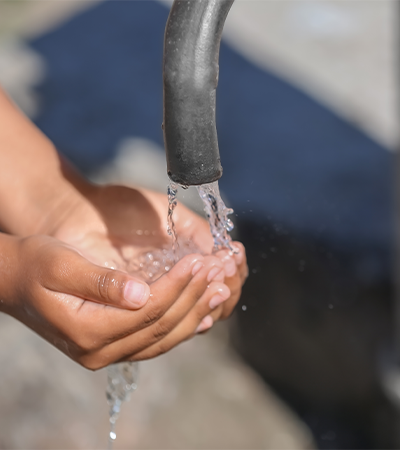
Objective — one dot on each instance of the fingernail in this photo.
(215, 301)
(230, 266)
(205, 324)
(134, 293)
(213, 273)
(198, 266)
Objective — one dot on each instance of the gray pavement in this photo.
(200, 395)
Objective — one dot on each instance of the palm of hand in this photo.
(114, 225)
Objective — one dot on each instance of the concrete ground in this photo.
(200, 395)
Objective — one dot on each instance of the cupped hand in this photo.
(114, 225)
(71, 302)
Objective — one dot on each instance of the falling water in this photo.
(172, 202)
(217, 216)
(122, 380)
(216, 213)
(122, 377)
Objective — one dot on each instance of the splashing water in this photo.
(217, 215)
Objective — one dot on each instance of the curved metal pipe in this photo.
(190, 73)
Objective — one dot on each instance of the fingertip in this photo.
(217, 299)
(136, 293)
(239, 256)
(205, 324)
(197, 266)
(229, 262)
(230, 265)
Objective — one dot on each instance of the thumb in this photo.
(77, 276)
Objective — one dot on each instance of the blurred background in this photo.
(308, 128)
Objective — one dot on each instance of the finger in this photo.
(205, 324)
(71, 273)
(91, 327)
(118, 323)
(235, 286)
(240, 254)
(194, 292)
(198, 319)
(240, 259)
(227, 258)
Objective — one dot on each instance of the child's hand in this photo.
(67, 291)
(114, 224)
(76, 305)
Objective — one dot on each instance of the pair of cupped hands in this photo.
(76, 289)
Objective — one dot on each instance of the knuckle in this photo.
(160, 330)
(103, 283)
(58, 268)
(152, 315)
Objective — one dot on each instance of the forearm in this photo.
(33, 187)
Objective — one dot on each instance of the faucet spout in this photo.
(190, 75)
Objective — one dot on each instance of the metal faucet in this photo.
(190, 75)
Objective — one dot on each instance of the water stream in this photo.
(172, 192)
(122, 380)
(217, 216)
(122, 377)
